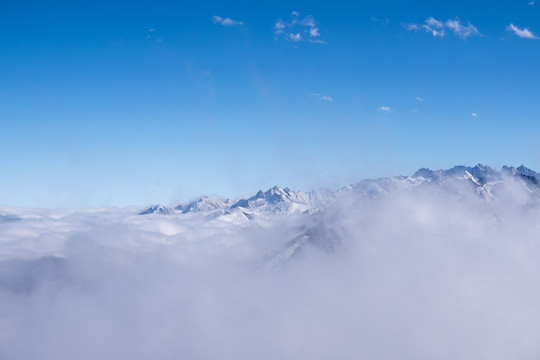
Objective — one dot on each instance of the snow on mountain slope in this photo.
(481, 179)
(275, 201)
(156, 209)
(460, 184)
(204, 204)
(279, 200)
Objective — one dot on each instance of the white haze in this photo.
(424, 274)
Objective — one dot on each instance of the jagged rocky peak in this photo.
(461, 171)
(484, 173)
(423, 172)
(273, 195)
(520, 170)
(278, 194)
(204, 203)
(478, 174)
(155, 209)
(525, 171)
(509, 170)
(278, 200)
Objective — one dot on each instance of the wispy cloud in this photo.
(522, 33)
(434, 26)
(410, 27)
(463, 31)
(322, 97)
(474, 114)
(439, 28)
(531, 3)
(225, 21)
(419, 99)
(380, 21)
(384, 108)
(298, 30)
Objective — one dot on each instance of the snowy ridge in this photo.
(482, 179)
(274, 201)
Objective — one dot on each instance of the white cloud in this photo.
(322, 97)
(434, 23)
(522, 33)
(225, 21)
(298, 30)
(295, 37)
(474, 114)
(461, 30)
(531, 3)
(461, 270)
(434, 32)
(384, 108)
(419, 99)
(438, 28)
(410, 27)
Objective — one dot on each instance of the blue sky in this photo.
(117, 103)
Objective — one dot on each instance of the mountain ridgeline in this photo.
(481, 179)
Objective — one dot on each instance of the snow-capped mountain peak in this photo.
(156, 209)
(483, 179)
(205, 204)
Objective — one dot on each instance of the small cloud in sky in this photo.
(322, 97)
(150, 33)
(461, 30)
(431, 21)
(384, 108)
(225, 21)
(418, 98)
(521, 33)
(474, 114)
(434, 26)
(381, 21)
(295, 37)
(439, 28)
(531, 3)
(410, 27)
(298, 30)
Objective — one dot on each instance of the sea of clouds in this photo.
(423, 274)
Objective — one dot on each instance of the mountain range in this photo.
(481, 182)
(482, 179)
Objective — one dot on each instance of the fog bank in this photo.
(418, 274)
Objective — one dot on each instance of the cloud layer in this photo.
(434, 273)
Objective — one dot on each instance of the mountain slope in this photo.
(483, 180)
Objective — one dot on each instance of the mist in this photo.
(422, 274)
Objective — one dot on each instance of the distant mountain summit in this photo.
(480, 174)
(204, 204)
(156, 209)
(482, 179)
